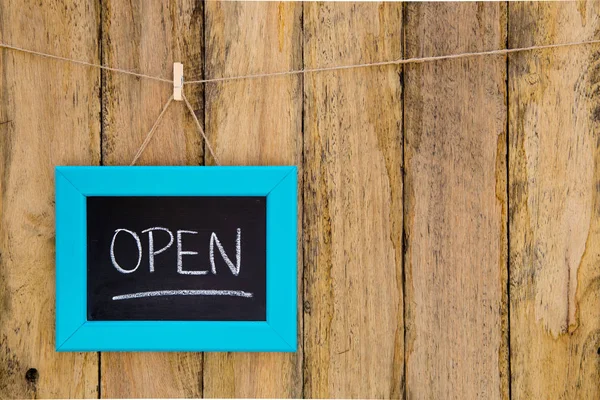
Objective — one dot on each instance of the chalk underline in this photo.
(157, 293)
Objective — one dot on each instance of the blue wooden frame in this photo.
(75, 333)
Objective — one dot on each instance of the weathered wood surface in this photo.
(359, 282)
(147, 38)
(354, 336)
(254, 122)
(48, 116)
(455, 204)
(555, 202)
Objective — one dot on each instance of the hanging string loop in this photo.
(160, 116)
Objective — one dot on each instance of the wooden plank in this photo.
(554, 202)
(353, 311)
(455, 204)
(48, 116)
(148, 37)
(254, 122)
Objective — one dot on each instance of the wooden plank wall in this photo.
(449, 211)
(49, 115)
(554, 148)
(353, 204)
(455, 204)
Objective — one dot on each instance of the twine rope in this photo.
(415, 60)
(84, 63)
(150, 134)
(210, 149)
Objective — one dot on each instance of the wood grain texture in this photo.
(455, 204)
(48, 116)
(354, 206)
(555, 202)
(148, 37)
(254, 122)
(354, 331)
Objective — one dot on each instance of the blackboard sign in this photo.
(176, 258)
(173, 258)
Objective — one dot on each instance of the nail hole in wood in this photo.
(32, 375)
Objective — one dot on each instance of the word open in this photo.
(178, 238)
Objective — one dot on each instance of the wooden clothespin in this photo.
(177, 81)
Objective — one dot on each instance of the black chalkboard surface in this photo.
(176, 258)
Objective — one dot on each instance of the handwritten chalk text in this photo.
(121, 236)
